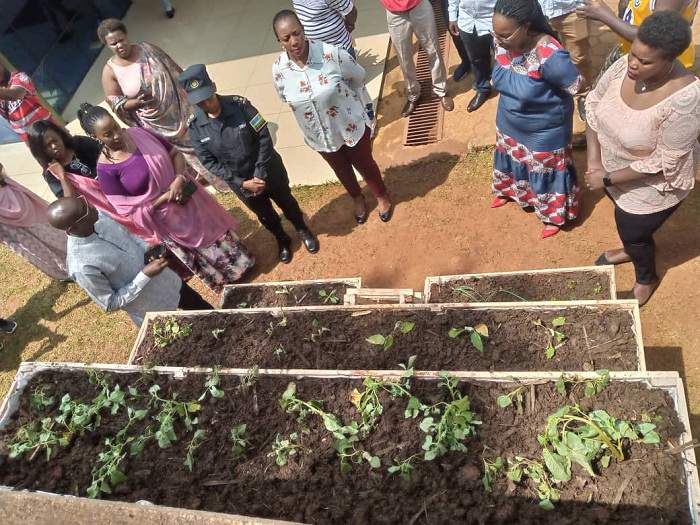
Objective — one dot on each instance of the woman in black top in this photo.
(58, 153)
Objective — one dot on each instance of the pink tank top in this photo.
(128, 77)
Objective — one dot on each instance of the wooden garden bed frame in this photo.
(351, 282)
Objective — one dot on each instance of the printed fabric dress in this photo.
(533, 164)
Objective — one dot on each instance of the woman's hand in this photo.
(57, 169)
(137, 103)
(175, 189)
(594, 177)
(254, 186)
(594, 10)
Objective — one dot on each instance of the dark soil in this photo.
(264, 296)
(596, 338)
(569, 286)
(646, 488)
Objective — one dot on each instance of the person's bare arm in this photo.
(13, 93)
(112, 89)
(350, 19)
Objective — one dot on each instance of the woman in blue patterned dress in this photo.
(533, 164)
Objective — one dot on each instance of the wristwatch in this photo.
(606, 179)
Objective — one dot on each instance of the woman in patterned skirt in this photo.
(142, 176)
(536, 79)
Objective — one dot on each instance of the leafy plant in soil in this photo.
(270, 331)
(240, 444)
(403, 468)
(283, 448)
(520, 467)
(475, 296)
(475, 335)
(216, 332)
(285, 290)
(329, 297)
(197, 440)
(592, 387)
(387, 341)
(168, 332)
(554, 335)
(345, 435)
(512, 398)
(447, 424)
(491, 469)
(318, 331)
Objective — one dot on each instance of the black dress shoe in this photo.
(386, 216)
(285, 251)
(478, 100)
(462, 71)
(409, 108)
(310, 242)
(361, 219)
(170, 13)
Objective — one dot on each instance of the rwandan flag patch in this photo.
(258, 122)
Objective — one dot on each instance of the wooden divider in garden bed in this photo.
(563, 284)
(319, 449)
(597, 335)
(314, 292)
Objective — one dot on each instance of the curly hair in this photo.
(525, 12)
(35, 140)
(667, 31)
(283, 15)
(109, 25)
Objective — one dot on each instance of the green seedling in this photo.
(216, 332)
(242, 305)
(107, 474)
(592, 387)
(598, 289)
(491, 469)
(172, 410)
(387, 341)
(554, 335)
(251, 377)
(476, 297)
(169, 332)
(285, 290)
(212, 385)
(476, 334)
(39, 400)
(329, 297)
(318, 331)
(403, 468)
(197, 439)
(239, 444)
(514, 397)
(283, 449)
(279, 350)
(520, 468)
(271, 329)
(369, 404)
(448, 425)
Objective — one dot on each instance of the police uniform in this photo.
(236, 146)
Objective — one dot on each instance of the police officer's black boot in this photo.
(284, 244)
(309, 240)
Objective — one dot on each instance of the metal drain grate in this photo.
(425, 123)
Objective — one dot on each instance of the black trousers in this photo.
(276, 189)
(191, 300)
(479, 50)
(459, 45)
(636, 233)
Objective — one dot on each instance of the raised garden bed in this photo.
(288, 467)
(328, 292)
(590, 283)
(603, 335)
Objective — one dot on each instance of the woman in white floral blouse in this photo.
(324, 86)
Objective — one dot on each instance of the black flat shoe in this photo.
(603, 260)
(361, 219)
(310, 242)
(386, 216)
(479, 100)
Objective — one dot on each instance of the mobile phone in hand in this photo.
(189, 188)
(154, 253)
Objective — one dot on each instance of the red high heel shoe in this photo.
(498, 202)
(549, 231)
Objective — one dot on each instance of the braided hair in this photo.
(525, 12)
(88, 116)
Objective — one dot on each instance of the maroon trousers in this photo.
(360, 157)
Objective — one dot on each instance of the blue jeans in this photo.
(479, 50)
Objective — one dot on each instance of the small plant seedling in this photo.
(242, 305)
(318, 331)
(520, 467)
(216, 332)
(239, 444)
(597, 289)
(369, 404)
(285, 290)
(387, 341)
(251, 377)
(476, 334)
(403, 468)
(283, 449)
(196, 442)
(212, 384)
(271, 329)
(592, 387)
(279, 350)
(554, 335)
(39, 400)
(477, 297)
(169, 332)
(329, 297)
(491, 469)
(514, 397)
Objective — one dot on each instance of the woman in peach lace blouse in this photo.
(643, 123)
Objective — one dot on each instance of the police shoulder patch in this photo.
(238, 98)
(190, 119)
(258, 122)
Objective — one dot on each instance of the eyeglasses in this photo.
(505, 39)
(87, 212)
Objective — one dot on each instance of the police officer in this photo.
(231, 139)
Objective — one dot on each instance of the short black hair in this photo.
(109, 25)
(35, 140)
(283, 15)
(667, 31)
